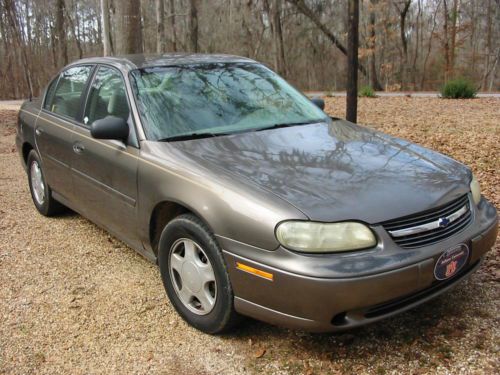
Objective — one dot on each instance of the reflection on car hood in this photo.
(337, 171)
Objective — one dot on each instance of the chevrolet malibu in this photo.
(251, 200)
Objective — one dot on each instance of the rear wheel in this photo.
(194, 275)
(40, 191)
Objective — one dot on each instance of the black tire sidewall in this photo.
(42, 208)
(189, 226)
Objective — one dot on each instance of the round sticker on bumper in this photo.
(451, 261)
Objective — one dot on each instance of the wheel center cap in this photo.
(191, 277)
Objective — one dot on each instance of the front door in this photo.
(105, 171)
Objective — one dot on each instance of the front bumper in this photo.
(363, 288)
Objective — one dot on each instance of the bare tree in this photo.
(61, 32)
(130, 35)
(403, 8)
(11, 13)
(106, 34)
(352, 60)
(161, 44)
(172, 24)
(446, 44)
(420, 44)
(453, 37)
(193, 25)
(373, 47)
(73, 32)
(429, 46)
(306, 11)
(279, 49)
(489, 28)
(273, 12)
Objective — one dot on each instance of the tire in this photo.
(41, 192)
(177, 237)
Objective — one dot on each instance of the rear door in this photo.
(61, 110)
(105, 171)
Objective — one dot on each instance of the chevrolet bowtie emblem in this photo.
(443, 222)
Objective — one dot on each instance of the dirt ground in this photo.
(74, 300)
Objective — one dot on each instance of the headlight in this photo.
(475, 190)
(315, 237)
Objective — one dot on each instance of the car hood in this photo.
(335, 171)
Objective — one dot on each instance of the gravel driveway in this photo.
(73, 299)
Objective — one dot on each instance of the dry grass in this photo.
(75, 300)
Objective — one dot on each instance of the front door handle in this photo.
(38, 131)
(78, 148)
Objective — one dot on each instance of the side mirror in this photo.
(110, 127)
(320, 103)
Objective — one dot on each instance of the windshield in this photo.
(217, 99)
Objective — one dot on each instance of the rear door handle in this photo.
(38, 131)
(78, 148)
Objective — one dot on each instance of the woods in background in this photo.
(404, 44)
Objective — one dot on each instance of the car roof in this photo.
(154, 60)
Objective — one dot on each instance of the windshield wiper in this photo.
(285, 125)
(185, 137)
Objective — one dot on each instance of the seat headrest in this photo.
(118, 105)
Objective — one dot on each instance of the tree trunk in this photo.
(404, 42)
(172, 24)
(352, 60)
(61, 33)
(106, 36)
(373, 47)
(279, 50)
(246, 25)
(73, 32)
(131, 27)
(273, 13)
(484, 84)
(418, 44)
(446, 45)
(193, 25)
(454, 17)
(160, 27)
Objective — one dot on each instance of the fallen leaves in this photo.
(259, 353)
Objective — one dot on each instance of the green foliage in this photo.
(458, 88)
(366, 92)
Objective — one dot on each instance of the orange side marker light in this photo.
(254, 271)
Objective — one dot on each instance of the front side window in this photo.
(107, 96)
(217, 98)
(68, 94)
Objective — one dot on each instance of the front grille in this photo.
(424, 237)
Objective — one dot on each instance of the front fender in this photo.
(233, 209)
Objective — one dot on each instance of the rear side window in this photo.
(50, 93)
(107, 96)
(67, 96)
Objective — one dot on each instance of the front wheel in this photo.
(194, 275)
